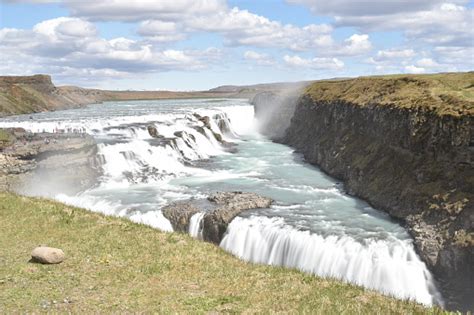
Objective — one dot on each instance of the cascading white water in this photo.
(136, 168)
(195, 228)
(390, 266)
(313, 225)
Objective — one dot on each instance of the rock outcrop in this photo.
(66, 162)
(220, 209)
(179, 214)
(406, 146)
(229, 205)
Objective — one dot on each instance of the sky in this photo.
(201, 44)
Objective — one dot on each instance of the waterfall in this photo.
(142, 172)
(195, 228)
(131, 158)
(389, 266)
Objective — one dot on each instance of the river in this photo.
(313, 224)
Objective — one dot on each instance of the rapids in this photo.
(313, 225)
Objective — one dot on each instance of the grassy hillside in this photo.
(114, 265)
(446, 94)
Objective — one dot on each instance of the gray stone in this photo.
(47, 255)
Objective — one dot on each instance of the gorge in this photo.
(413, 162)
(404, 144)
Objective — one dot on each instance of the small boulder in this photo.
(47, 255)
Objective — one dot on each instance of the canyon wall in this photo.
(405, 145)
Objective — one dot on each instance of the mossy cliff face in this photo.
(415, 162)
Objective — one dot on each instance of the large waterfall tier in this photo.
(152, 153)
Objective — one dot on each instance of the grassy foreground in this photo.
(113, 265)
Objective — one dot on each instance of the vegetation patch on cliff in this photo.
(114, 265)
(5, 138)
(445, 94)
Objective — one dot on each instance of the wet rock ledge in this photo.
(220, 209)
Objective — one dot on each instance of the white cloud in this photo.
(456, 55)
(414, 69)
(30, 1)
(436, 22)
(427, 63)
(440, 59)
(161, 31)
(394, 53)
(176, 20)
(258, 58)
(369, 7)
(63, 28)
(356, 45)
(139, 10)
(241, 27)
(446, 24)
(167, 21)
(314, 63)
(73, 43)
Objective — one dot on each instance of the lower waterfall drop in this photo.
(389, 266)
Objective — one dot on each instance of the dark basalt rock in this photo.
(221, 208)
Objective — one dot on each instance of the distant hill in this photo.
(260, 87)
(37, 93)
(28, 94)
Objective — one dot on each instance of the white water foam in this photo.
(241, 119)
(195, 228)
(389, 266)
(135, 163)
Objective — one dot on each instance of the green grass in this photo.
(445, 94)
(5, 138)
(113, 265)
